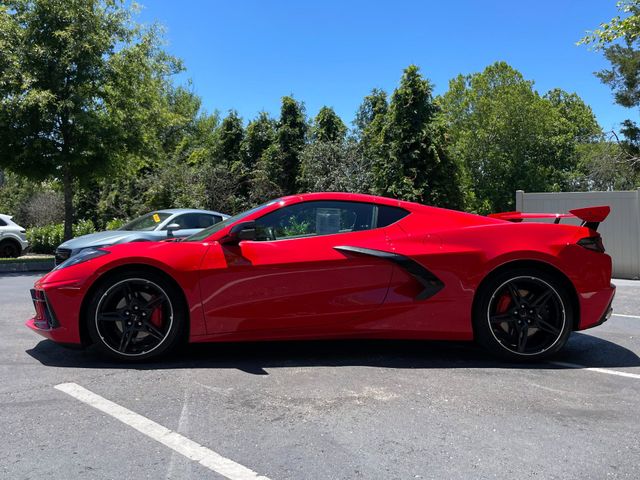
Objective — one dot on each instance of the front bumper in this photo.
(56, 313)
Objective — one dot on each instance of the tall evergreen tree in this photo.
(372, 111)
(229, 142)
(413, 163)
(260, 135)
(291, 137)
(328, 126)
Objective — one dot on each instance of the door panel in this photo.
(294, 284)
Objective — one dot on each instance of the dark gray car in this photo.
(154, 226)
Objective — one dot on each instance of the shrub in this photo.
(46, 239)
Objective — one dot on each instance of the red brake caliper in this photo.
(503, 303)
(156, 317)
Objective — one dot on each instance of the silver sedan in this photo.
(154, 226)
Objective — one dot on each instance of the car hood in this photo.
(98, 239)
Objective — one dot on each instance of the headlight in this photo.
(82, 256)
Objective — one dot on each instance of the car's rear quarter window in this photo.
(388, 215)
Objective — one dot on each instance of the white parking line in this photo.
(175, 441)
(595, 369)
(623, 315)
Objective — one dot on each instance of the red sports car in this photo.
(337, 265)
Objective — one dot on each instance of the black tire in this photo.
(523, 314)
(136, 316)
(10, 249)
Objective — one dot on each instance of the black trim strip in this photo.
(431, 284)
(39, 296)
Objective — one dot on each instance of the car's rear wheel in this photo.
(136, 316)
(523, 315)
(9, 249)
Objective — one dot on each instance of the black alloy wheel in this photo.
(524, 316)
(136, 317)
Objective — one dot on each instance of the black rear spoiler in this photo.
(590, 216)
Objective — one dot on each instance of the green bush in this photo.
(46, 239)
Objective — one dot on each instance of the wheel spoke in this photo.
(153, 331)
(523, 336)
(110, 317)
(547, 327)
(542, 299)
(515, 294)
(128, 292)
(501, 318)
(154, 303)
(127, 335)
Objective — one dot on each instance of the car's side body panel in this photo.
(293, 284)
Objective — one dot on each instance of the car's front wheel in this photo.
(136, 315)
(523, 315)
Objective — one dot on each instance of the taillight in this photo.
(592, 243)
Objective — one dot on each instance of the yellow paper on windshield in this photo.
(156, 218)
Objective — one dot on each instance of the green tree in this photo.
(291, 136)
(510, 138)
(370, 121)
(619, 27)
(582, 121)
(328, 126)
(260, 135)
(230, 137)
(373, 107)
(413, 163)
(619, 39)
(81, 89)
(339, 166)
(164, 175)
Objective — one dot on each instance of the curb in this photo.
(42, 266)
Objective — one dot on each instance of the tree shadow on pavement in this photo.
(255, 357)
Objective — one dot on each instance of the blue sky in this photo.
(245, 55)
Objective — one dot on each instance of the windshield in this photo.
(146, 222)
(219, 226)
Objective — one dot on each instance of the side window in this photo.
(388, 215)
(194, 220)
(3, 223)
(310, 219)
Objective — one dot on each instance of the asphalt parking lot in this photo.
(320, 410)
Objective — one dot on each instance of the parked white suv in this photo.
(13, 240)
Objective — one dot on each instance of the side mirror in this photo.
(241, 231)
(172, 227)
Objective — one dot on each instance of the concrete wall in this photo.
(620, 231)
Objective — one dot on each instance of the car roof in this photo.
(5, 217)
(174, 211)
(351, 197)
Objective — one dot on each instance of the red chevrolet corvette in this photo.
(337, 265)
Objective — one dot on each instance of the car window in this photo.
(146, 222)
(388, 215)
(315, 218)
(225, 223)
(194, 220)
(3, 223)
